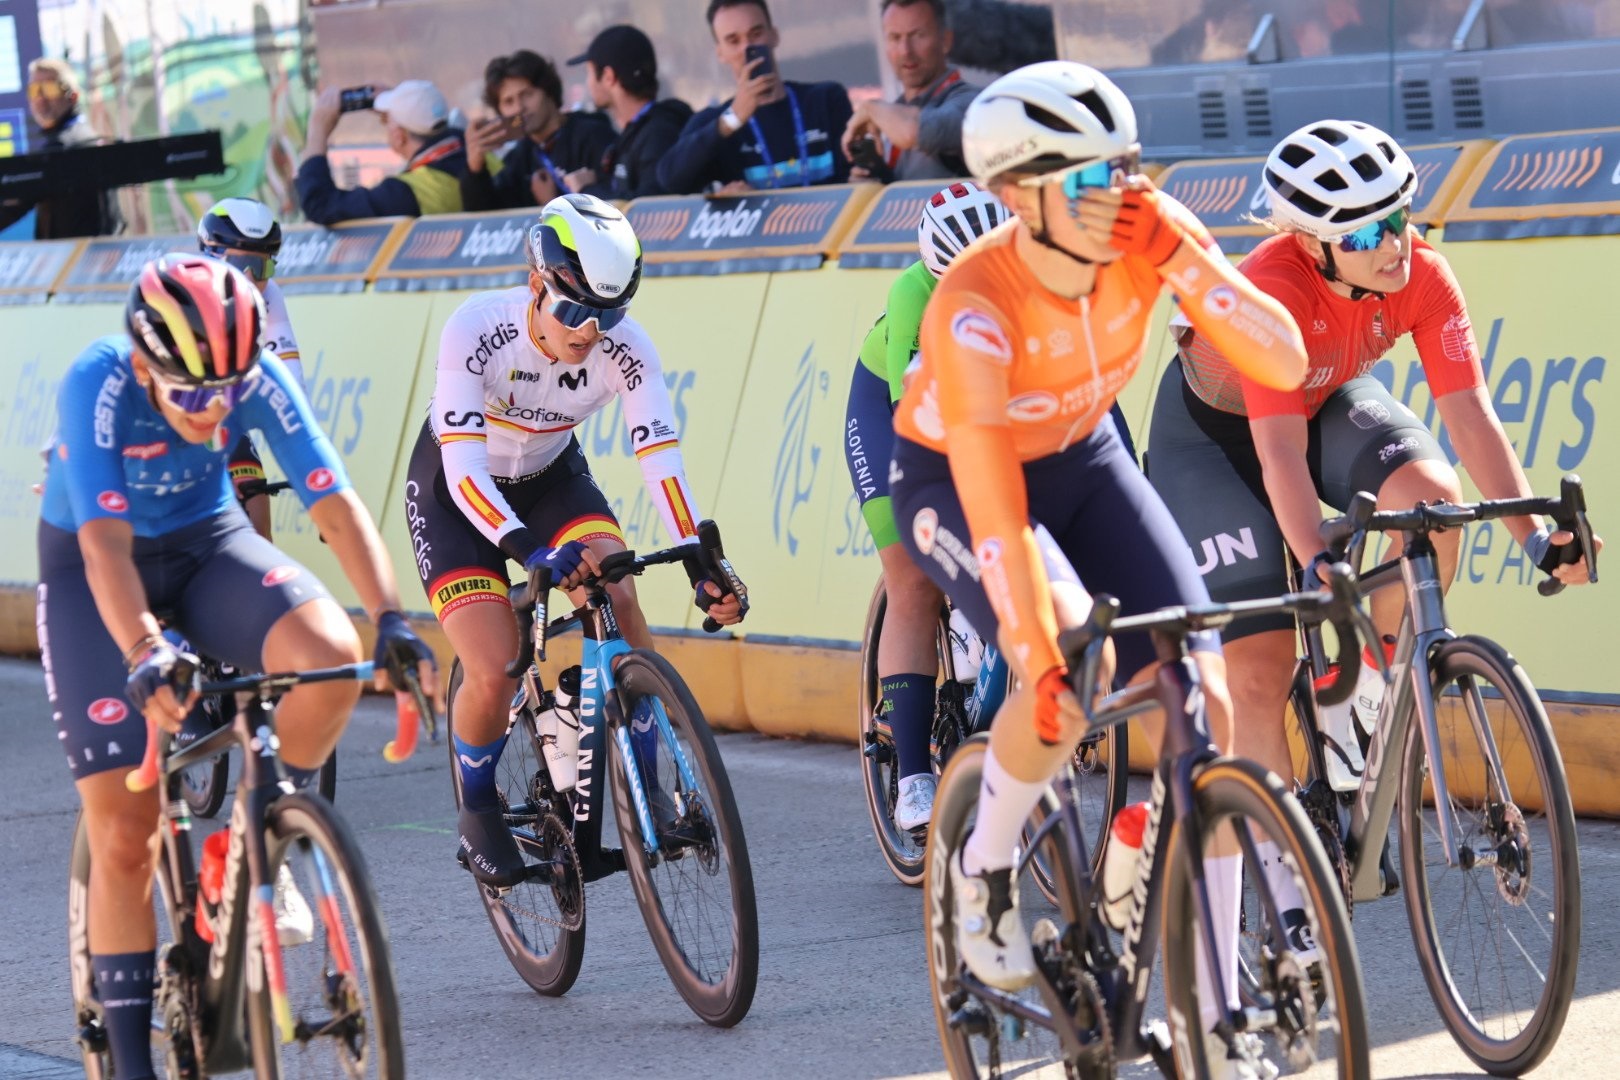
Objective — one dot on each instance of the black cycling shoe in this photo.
(488, 850)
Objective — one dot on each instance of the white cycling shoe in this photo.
(1244, 1060)
(295, 922)
(1297, 929)
(990, 935)
(916, 805)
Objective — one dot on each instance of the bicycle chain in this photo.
(550, 826)
(1321, 808)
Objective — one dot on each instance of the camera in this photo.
(357, 98)
(864, 154)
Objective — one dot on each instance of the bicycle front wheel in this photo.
(334, 955)
(1497, 935)
(1306, 974)
(203, 786)
(696, 891)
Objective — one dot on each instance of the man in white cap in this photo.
(416, 119)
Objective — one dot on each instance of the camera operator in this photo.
(53, 101)
(416, 118)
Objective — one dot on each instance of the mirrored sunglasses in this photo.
(196, 399)
(1094, 175)
(574, 315)
(47, 91)
(1370, 235)
(256, 266)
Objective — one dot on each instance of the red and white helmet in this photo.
(952, 219)
(197, 319)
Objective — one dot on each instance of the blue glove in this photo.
(561, 561)
(704, 599)
(399, 650)
(156, 670)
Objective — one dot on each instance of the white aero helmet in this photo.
(1046, 117)
(1334, 176)
(586, 252)
(953, 218)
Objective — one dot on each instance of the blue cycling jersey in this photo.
(115, 456)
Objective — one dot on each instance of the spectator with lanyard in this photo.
(498, 474)
(549, 153)
(1011, 487)
(246, 234)
(772, 133)
(1232, 456)
(922, 129)
(621, 76)
(138, 517)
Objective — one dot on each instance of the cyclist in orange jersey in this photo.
(1009, 483)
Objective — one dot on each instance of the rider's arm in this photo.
(278, 332)
(346, 526)
(650, 418)
(109, 567)
(902, 324)
(1485, 451)
(1280, 444)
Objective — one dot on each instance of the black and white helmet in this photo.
(953, 218)
(586, 251)
(240, 224)
(1334, 176)
(1046, 117)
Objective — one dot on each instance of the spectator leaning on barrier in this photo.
(919, 135)
(551, 152)
(773, 133)
(622, 78)
(53, 100)
(417, 120)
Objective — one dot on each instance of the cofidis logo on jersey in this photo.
(488, 345)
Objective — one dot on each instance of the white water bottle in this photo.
(1341, 748)
(559, 731)
(1119, 863)
(1369, 695)
(967, 649)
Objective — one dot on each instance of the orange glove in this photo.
(1048, 721)
(1143, 228)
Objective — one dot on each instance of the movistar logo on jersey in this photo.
(488, 344)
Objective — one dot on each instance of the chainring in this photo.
(1322, 808)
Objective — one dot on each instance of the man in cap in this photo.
(621, 76)
(416, 118)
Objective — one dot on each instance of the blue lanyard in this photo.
(556, 175)
(643, 111)
(799, 136)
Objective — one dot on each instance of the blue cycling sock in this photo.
(644, 736)
(477, 764)
(908, 706)
(124, 988)
(301, 778)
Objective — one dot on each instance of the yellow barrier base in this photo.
(808, 692)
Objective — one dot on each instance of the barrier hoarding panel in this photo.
(459, 251)
(1560, 184)
(886, 234)
(28, 271)
(106, 266)
(314, 259)
(790, 229)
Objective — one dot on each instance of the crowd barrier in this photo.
(758, 362)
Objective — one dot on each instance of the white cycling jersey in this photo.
(278, 331)
(505, 409)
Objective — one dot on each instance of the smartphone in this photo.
(357, 98)
(761, 53)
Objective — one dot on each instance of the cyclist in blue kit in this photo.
(139, 517)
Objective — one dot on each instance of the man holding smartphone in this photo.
(773, 133)
(548, 152)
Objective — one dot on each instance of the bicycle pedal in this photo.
(971, 1019)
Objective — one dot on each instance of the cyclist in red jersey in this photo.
(1009, 481)
(1242, 466)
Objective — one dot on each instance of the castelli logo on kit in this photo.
(107, 710)
(320, 479)
(279, 576)
(113, 502)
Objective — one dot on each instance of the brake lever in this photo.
(1571, 517)
(1347, 617)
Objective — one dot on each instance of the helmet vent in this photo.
(1294, 155)
(1047, 118)
(1366, 167)
(1333, 181)
(1093, 102)
(1331, 136)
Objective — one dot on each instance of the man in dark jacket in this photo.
(417, 120)
(551, 152)
(53, 100)
(621, 75)
(773, 133)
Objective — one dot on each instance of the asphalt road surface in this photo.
(842, 987)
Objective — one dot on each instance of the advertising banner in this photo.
(459, 251)
(339, 260)
(1564, 184)
(105, 268)
(886, 235)
(28, 271)
(791, 229)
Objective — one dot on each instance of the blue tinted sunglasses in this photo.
(197, 399)
(1370, 235)
(258, 267)
(574, 316)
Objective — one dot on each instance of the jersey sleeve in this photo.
(908, 299)
(456, 416)
(282, 414)
(967, 340)
(87, 435)
(650, 417)
(1442, 332)
(1259, 400)
(278, 332)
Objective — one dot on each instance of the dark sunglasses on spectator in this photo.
(574, 315)
(256, 266)
(1370, 235)
(196, 399)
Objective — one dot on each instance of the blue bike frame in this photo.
(989, 690)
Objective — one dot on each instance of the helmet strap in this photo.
(1330, 272)
(1044, 238)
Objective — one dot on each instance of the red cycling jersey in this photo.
(1343, 337)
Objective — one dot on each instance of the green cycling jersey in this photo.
(892, 342)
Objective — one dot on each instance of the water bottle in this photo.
(211, 881)
(1119, 863)
(559, 731)
(1369, 695)
(1341, 748)
(967, 648)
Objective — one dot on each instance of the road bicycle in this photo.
(1475, 786)
(961, 710)
(229, 993)
(1086, 1011)
(683, 844)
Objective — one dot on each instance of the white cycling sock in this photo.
(1278, 877)
(1223, 874)
(1004, 805)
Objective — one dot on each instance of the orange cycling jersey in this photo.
(1343, 337)
(1010, 373)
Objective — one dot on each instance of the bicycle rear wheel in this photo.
(1498, 939)
(1319, 1009)
(540, 923)
(1102, 774)
(696, 893)
(340, 981)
